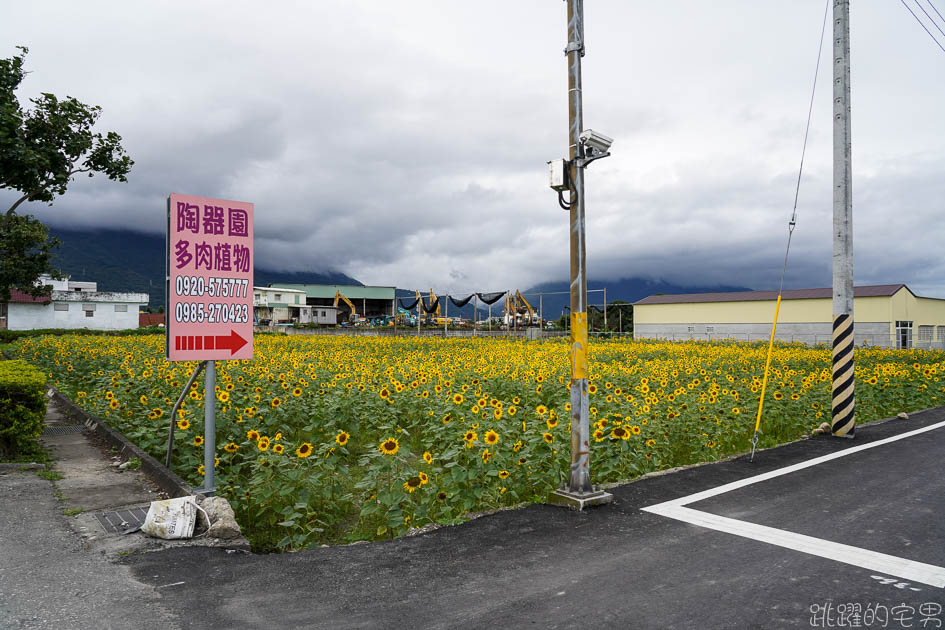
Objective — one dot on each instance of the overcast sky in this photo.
(405, 143)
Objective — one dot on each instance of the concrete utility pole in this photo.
(605, 308)
(842, 423)
(579, 491)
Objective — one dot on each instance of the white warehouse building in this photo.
(72, 305)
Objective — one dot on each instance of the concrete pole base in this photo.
(579, 500)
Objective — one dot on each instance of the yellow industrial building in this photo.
(888, 315)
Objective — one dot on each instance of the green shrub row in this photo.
(22, 407)
(9, 336)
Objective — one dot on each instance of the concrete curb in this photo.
(166, 480)
(23, 466)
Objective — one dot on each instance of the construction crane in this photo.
(432, 300)
(354, 311)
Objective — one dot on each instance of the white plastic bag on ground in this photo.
(172, 518)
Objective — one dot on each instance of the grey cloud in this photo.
(407, 144)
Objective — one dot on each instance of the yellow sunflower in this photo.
(389, 446)
(304, 451)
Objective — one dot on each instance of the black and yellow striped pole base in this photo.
(842, 422)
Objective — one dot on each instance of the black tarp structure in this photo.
(460, 303)
(491, 298)
(410, 306)
(433, 306)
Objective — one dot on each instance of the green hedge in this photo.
(22, 407)
(9, 336)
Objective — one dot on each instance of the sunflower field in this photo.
(337, 439)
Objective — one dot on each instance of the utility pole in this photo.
(842, 422)
(605, 308)
(578, 492)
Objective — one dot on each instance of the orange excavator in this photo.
(516, 307)
(354, 312)
(523, 302)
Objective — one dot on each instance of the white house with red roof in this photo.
(72, 304)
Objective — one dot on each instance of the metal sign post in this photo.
(180, 399)
(209, 428)
(209, 294)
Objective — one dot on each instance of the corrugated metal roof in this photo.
(278, 287)
(879, 290)
(21, 297)
(349, 291)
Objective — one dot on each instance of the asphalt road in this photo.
(618, 566)
(49, 580)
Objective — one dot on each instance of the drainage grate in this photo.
(63, 429)
(121, 520)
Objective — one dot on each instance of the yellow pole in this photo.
(764, 380)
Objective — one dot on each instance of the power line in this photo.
(800, 171)
(937, 43)
(931, 19)
(934, 9)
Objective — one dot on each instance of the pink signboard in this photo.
(209, 279)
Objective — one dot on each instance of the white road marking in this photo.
(864, 558)
(856, 556)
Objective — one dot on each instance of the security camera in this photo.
(596, 140)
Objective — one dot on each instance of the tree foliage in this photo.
(25, 253)
(41, 150)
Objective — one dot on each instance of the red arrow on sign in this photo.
(233, 342)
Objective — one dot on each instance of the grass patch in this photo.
(73, 511)
(32, 453)
(49, 475)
